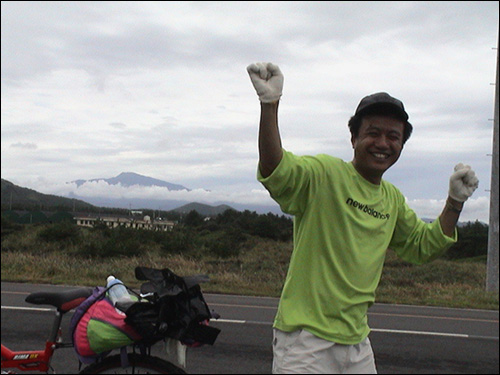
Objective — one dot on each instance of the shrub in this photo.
(472, 241)
(60, 232)
(178, 241)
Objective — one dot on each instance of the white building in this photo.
(127, 222)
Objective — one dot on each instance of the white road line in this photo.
(420, 332)
(425, 333)
(27, 308)
(237, 321)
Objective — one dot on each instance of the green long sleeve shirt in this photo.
(343, 226)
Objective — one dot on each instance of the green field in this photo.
(258, 268)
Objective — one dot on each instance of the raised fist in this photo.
(267, 80)
(463, 182)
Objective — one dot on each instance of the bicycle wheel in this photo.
(138, 364)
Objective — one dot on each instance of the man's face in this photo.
(378, 146)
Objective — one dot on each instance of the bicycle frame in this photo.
(39, 360)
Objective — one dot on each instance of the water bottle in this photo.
(118, 292)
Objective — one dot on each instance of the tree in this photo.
(472, 241)
(193, 219)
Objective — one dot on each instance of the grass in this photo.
(443, 282)
(259, 269)
(254, 273)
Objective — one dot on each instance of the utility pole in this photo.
(492, 265)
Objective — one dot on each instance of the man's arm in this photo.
(267, 80)
(449, 217)
(270, 151)
(463, 182)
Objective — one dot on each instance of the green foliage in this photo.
(193, 219)
(226, 248)
(178, 241)
(61, 216)
(9, 226)
(226, 243)
(33, 217)
(439, 283)
(265, 226)
(222, 236)
(60, 232)
(472, 241)
(106, 243)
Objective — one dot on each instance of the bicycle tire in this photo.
(138, 364)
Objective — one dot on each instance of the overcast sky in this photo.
(93, 89)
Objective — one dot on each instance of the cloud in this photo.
(98, 189)
(117, 125)
(27, 146)
(92, 89)
(474, 209)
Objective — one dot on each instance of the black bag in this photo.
(175, 309)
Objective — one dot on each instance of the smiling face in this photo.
(378, 146)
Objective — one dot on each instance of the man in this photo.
(345, 218)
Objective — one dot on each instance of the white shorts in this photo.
(300, 352)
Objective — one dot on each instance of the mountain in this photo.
(130, 178)
(20, 198)
(17, 197)
(203, 209)
(24, 199)
(168, 204)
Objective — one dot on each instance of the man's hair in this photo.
(355, 124)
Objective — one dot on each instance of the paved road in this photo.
(405, 339)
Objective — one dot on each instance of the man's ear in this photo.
(353, 140)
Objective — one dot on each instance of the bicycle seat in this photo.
(63, 301)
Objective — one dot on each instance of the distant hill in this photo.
(20, 198)
(203, 209)
(130, 179)
(17, 197)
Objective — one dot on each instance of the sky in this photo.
(93, 89)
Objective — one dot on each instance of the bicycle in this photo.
(138, 361)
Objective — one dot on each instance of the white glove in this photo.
(267, 80)
(462, 183)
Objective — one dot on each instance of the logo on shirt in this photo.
(368, 210)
